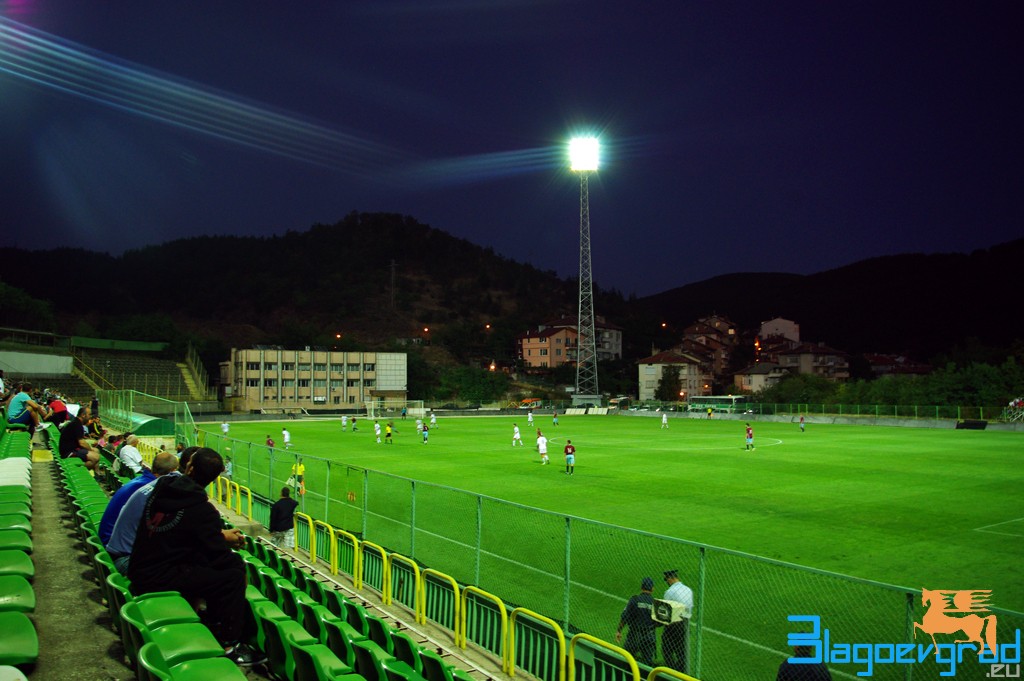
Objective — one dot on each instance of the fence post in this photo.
(700, 612)
(327, 494)
(366, 499)
(479, 535)
(910, 631)
(568, 583)
(270, 478)
(412, 522)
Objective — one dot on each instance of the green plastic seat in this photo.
(436, 669)
(355, 615)
(177, 642)
(16, 594)
(312, 615)
(378, 631)
(375, 664)
(15, 539)
(407, 650)
(341, 638)
(153, 667)
(16, 508)
(276, 634)
(257, 612)
(316, 662)
(19, 644)
(15, 522)
(14, 562)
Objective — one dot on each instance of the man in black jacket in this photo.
(181, 546)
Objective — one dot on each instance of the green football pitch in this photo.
(914, 507)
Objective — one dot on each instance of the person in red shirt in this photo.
(570, 457)
(750, 438)
(58, 411)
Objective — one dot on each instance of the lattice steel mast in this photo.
(584, 161)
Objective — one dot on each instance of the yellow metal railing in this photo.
(462, 639)
(429, 572)
(571, 663)
(411, 564)
(511, 647)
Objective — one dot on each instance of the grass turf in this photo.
(913, 507)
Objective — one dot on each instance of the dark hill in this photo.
(918, 304)
(376, 277)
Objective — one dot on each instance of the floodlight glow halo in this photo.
(584, 153)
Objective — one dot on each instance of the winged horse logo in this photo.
(951, 611)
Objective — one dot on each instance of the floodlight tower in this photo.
(583, 156)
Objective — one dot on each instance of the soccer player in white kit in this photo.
(376, 430)
(542, 447)
(516, 437)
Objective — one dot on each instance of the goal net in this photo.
(382, 408)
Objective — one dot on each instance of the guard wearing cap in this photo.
(640, 640)
(674, 641)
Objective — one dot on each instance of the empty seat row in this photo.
(310, 631)
(19, 644)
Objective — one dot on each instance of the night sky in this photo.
(737, 136)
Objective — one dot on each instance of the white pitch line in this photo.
(984, 528)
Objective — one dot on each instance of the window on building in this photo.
(337, 399)
(369, 367)
(352, 382)
(252, 383)
(287, 366)
(287, 382)
(303, 366)
(269, 382)
(270, 366)
(320, 366)
(336, 383)
(543, 352)
(319, 382)
(369, 383)
(337, 368)
(303, 382)
(353, 367)
(252, 366)
(351, 399)
(558, 352)
(558, 341)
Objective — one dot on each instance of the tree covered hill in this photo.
(377, 277)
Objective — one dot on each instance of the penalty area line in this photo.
(986, 530)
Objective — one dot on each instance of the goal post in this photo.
(383, 407)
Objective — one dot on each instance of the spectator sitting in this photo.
(58, 411)
(163, 463)
(74, 441)
(23, 410)
(126, 525)
(96, 429)
(130, 457)
(180, 546)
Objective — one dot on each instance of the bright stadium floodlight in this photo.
(583, 154)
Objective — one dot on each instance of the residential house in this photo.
(694, 374)
(759, 376)
(549, 348)
(817, 359)
(608, 340)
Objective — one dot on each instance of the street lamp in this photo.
(584, 154)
